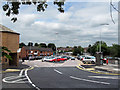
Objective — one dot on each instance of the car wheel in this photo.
(84, 62)
(42, 60)
(92, 62)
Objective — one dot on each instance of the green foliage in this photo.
(52, 45)
(21, 45)
(95, 48)
(113, 50)
(77, 50)
(43, 45)
(4, 52)
(36, 44)
(30, 44)
(12, 7)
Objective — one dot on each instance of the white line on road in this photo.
(36, 65)
(30, 80)
(11, 79)
(82, 67)
(58, 71)
(21, 72)
(88, 80)
(106, 77)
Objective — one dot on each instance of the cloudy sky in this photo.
(79, 25)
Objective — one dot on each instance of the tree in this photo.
(21, 45)
(5, 51)
(36, 44)
(43, 45)
(52, 45)
(114, 50)
(77, 50)
(67, 47)
(30, 44)
(13, 8)
(95, 48)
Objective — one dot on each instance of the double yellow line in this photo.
(96, 71)
(16, 70)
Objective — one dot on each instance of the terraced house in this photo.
(27, 51)
(9, 39)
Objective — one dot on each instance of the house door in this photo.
(14, 59)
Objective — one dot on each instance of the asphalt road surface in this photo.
(70, 77)
(58, 75)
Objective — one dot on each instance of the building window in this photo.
(29, 51)
(35, 51)
(5, 59)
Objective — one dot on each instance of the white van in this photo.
(91, 59)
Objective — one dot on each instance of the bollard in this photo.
(107, 61)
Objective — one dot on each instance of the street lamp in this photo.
(100, 36)
(56, 41)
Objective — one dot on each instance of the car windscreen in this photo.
(92, 57)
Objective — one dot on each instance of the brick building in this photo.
(64, 49)
(27, 51)
(9, 39)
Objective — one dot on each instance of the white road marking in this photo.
(36, 65)
(30, 80)
(58, 71)
(21, 72)
(16, 79)
(82, 67)
(11, 79)
(106, 77)
(88, 80)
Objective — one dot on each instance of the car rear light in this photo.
(82, 58)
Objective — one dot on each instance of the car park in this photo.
(80, 57)
(31, 58)
(65, 57)
(72, 58)
(53, 59)
(38, 57)
(91, 59)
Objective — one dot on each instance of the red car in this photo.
(53, 59)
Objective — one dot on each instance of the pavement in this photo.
(108, 68)
(14, 77)
(15, 68)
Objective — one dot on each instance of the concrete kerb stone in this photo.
(15, 68)
(113, 70)
(99, 69)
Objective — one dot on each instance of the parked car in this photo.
(80, 57)
(72, 58)
(53, 59)
(91, 59)
(31, 58)
(38, 57)
(65, 57)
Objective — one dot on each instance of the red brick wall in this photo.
(25, 53)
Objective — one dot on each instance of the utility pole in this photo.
(98, 54)
(56, 41)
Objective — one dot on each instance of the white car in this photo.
(91, 59)
(49, 58)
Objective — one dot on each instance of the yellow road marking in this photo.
(97, 72)
(16, 70)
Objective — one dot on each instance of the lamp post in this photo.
(100, 37)
(30, 49)
(56, 41)
(98, 54)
